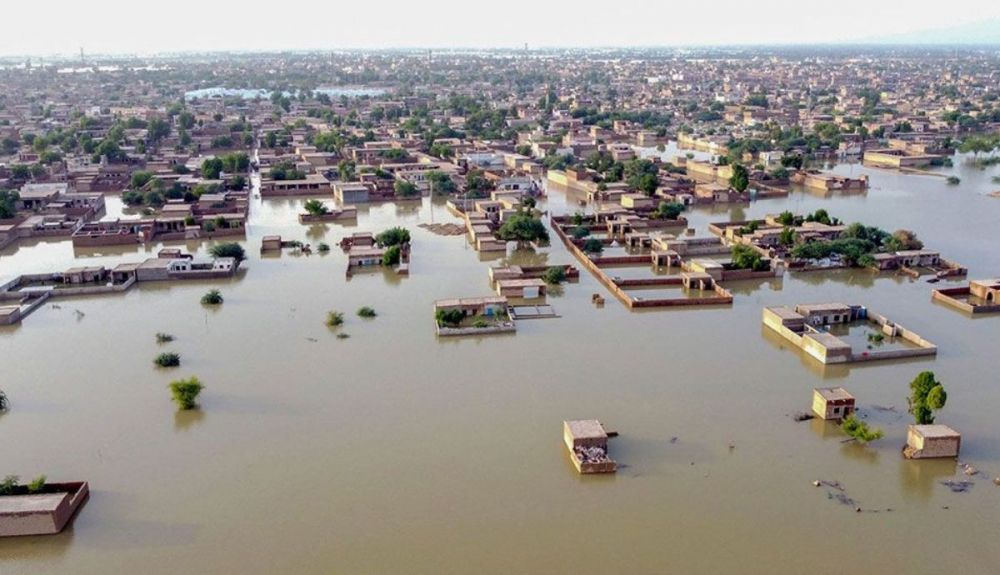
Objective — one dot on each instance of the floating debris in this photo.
(444, 229)
(958, 486)
(803, 416)
(970, 470)
(312, 339)
(884, 408)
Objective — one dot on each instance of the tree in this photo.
(8, 204)
(366, 312)
(334, 319)
(554, 275)
(392, 256)
(140, 179)
(927, 395)
(441, 183)
(211, 168)
(157, 129)
(393, 237)
(902, 240)
(451, 317)
(593, 246)
(404, 189)
(859, 430)
(185, 392)
(523, 227)
(316, 208)
(4, 402)
(740, 179)
(168, 359)
(228, 250)
(235, 163)
(670, 210)
(345, 170)
(212, 297)
(745, 257)
(787, 237)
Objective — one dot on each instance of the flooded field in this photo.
(394, 451)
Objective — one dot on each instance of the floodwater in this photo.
(395, 452)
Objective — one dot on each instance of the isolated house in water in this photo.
(832, 403)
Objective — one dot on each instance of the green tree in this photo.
(404, 189)
(185, 392)
(228, 250)
(168, 359)
(212, 297)
(8, 204)
(441, 183)
(393, 237)
(392, 256)
(366, 312)
(554, 275)
(334, 319)
(523, 227)
(927, 395)
(745, 257)
(740, 179)
(670, 210)
(593, 246)
(315, 207)
(211, 168)
(860, 430)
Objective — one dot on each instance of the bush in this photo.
(168, 359)
(316, 208)
(164, 337)
(334, 319)
(593, 246)
(393, 237)
(480, 323)
(323, 247)
(4, 403)
(451, 317)
(343, 335)
(954, 180)
(228, 250)
(37, 484)
(859, 430)
(213, 297)
(580, 232)
(555, 275)
(392, 256)
(746, 258)
(185, 392)
(9, 484)
(366, 312)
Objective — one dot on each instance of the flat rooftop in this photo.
(834, 393)
(586, 429)
(936, 431)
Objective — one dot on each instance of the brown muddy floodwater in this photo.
(396, 452)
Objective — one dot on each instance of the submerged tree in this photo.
(740, 179)
(315, 207)
(859, 430)
(927, 395)
(228, 250)
(185, 392)
(213, 297)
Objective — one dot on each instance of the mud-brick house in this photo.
(931, 441)
(987, 290)
(832, 403)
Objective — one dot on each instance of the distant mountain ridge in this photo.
(986, 32)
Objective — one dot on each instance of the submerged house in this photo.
(931, 441)
(832, 403)
(587, 441)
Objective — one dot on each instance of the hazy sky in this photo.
(113, 26)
